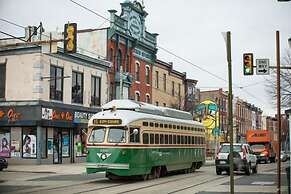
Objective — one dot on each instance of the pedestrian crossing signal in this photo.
(70, 38)
(248, 64)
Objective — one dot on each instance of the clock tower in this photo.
(132, 51)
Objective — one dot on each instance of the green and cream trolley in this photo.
(131, 138)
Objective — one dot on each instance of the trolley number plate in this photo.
(222, 162)
(107, 121)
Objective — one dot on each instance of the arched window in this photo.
(148, 99)
(137, 96)
(147, 74)
(137, 71)
(119, 60)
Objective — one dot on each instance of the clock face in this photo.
(134, 25)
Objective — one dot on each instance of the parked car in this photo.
(243, 157)
(3, 163)
(284, 156)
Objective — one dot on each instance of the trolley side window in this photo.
(134, 137)
(97, 135)
(145, 138)
(116, 135)
(152, 138)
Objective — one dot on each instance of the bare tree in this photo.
(285, 76)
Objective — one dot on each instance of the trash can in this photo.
(288, 178)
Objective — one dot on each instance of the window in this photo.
(2, 80)
(137, 96)
(156, 124)
(178, 139)
(5, 142)
(134, 138)
(148, 100)
(116, 135)
(145, 123)
(173, 88)
(161, 139)
(179, 91)
(147, 74)
(137, 71)
(156, 138)
(97, 135)
(166, 125)
(127, 64)
(95, 91)
(165, 82)
(193, 140)
(157, 103)
(174, 126)
(110, 55)
(170, 139)
(164, 104)
(151, 124)
(56, 83)
(29, 142)
(152, 138)
(161, 125)
(157, 79)
(174, 139)
(77, 88)
(80, 142)
(170, 126)
(119, 60)
(166, 139)
(145, 138)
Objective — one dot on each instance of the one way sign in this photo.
(263, 67)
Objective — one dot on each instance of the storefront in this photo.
(43, 132)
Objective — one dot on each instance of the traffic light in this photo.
(248, 63)
(70, 38)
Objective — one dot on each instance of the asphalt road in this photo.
(203, 181)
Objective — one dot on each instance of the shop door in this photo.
(57, 156)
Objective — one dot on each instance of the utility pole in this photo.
(278, 110)
(230, 116)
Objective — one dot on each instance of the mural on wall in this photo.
(208, 114)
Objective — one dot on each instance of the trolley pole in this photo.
(230, 116)
(278, 110)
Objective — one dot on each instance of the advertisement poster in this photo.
(65, 146)
(4, 144)
(29, 146)
(50, 146)
(15, 149)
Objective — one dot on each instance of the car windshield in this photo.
(226, 148)
(258, 146)
(116, 135)
(97, 135)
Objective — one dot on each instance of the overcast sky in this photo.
(192, 29)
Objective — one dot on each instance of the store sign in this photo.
(107, 121)
(51, 114)
(11, 114)
(82, 117)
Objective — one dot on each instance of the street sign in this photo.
(263, 67)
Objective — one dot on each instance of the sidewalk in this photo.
(75, 168)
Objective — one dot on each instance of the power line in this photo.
(80, 48)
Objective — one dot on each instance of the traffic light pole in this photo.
(230, 121)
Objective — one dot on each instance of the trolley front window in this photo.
(97, 135)
(116, 135)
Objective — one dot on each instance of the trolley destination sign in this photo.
(107, 121)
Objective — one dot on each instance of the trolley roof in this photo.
(147, 108)
(129, 111)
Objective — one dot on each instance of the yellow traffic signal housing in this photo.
(248, 64)
(70, 38)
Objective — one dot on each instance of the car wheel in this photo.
(218, 171)
(248, 169)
